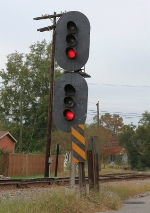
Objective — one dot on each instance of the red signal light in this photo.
(69, 114)
(71, 53)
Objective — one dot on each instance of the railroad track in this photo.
(36, 182)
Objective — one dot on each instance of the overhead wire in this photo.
(116, 85)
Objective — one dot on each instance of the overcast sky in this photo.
(119, 60)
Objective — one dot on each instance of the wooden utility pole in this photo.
(97, 114)
(50, 105)
(50, 95)
(20, 139)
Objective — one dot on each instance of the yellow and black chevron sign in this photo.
(78, 143)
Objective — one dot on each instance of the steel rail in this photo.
(35, 182)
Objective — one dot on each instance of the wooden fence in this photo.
(26, 164)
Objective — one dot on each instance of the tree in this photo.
(112, 122)
(106, 132)
(143, 141)
(145, 118)
(108, 143)
(24, 95)
(137, 144)
(126, 139)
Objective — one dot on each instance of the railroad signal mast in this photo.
(71, 53)
(71, 90)
(71, 40)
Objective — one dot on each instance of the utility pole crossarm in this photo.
(48, 16)
(46, 28)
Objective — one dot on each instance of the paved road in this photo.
(134, 205)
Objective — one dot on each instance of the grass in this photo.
(127, 189)
(113, 171)
(60, 200)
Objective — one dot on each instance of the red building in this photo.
(7, 141)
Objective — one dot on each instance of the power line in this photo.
(123, 98)
(116, 85)
(122, 114)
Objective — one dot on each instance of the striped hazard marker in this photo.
(78, 143)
